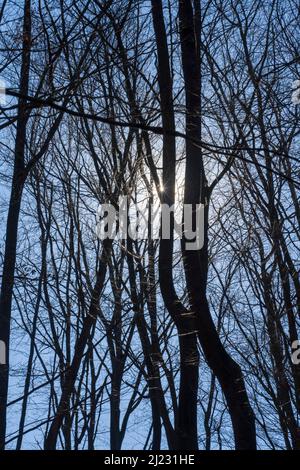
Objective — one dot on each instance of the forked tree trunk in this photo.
(186, 425)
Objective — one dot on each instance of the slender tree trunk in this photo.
(158, 405)
(13, 220)
(186, 425)
(71, 373)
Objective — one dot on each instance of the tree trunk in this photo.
(186, 425)
(223, 366)
(71, 373)
(13, 220)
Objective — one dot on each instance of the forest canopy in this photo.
(150, 342)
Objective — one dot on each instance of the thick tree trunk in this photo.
(223, 366)
(116, 380)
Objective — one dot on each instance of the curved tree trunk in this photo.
(223, 366)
